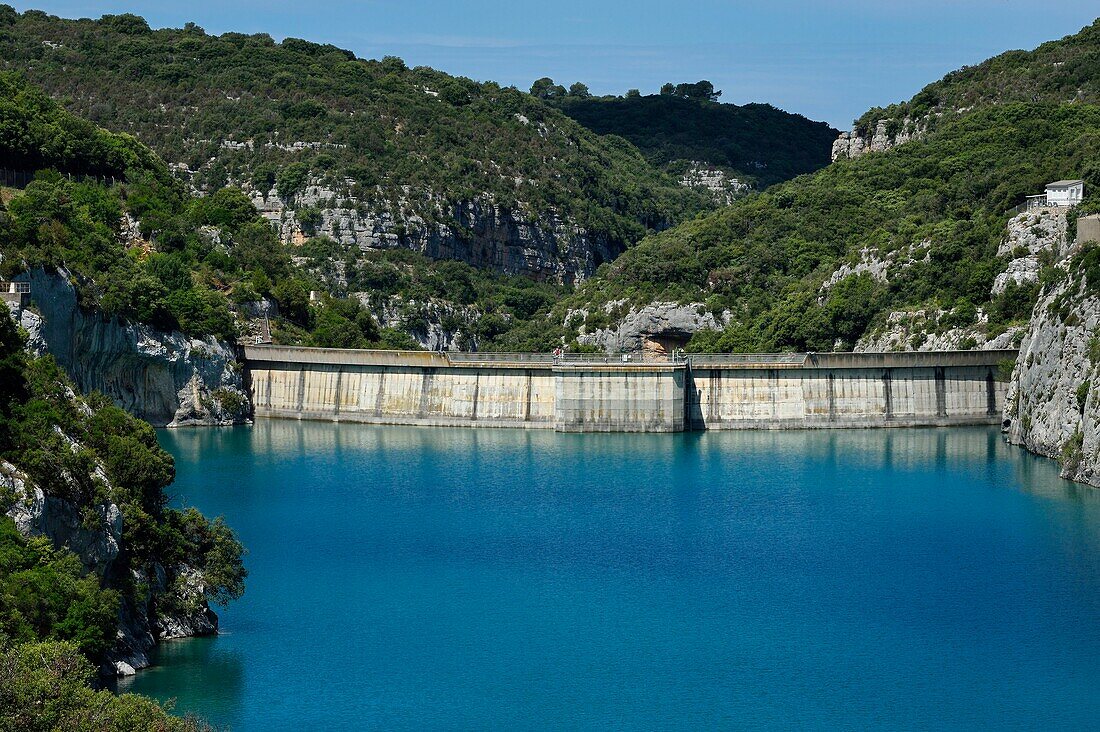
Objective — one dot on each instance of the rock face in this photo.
(932, 330)
(1030, 234)
(658, 325)
(715, 182)
(886, 135)
(93, 536)
(436, 325)
(879, 265)
(172, 606)
(1053, 404)
(169, 609)
(478, 232)
(167, 379)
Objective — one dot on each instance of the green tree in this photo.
(545, 88)
(48, 686)
(579, 90)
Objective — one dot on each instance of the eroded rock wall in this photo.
(658, 321)
(1030, 235)
(886, 135)
(478, 232)
(167, 379)
(172, 603)
(1053, 405)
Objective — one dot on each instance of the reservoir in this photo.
(431, 578)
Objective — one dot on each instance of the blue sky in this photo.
(827, 59)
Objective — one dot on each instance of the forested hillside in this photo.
(92, 560)
(820, 261)
(371, 153)
(937, 205)
(1065, 71)
(143, 249)
(755, 143)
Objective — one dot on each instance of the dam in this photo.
(627, 393)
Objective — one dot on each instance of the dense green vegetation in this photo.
(766, 257)
(47, 687)
(44, 594)
(193, 263)
(755, 142)
(88, 453)
(184, 92)
(34, 134)
(1063, 71)
(39, 419)
(496, 312)
(58, 222)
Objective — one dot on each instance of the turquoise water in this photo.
(416, 578)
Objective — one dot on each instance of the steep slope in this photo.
(755, 143)
(817, 262)
(85, 478)
(1053, 405)
(370, 153)
(139, 290)
(1065, 71)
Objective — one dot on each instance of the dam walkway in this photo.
(631, 392)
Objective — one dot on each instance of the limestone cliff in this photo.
(658, 326)
(936, 329)
(716, 182)
(171, 604)
(1053, 407)
(479, 232)
(885, 135)
(167, 379)
(435, 324)
(1032, 235)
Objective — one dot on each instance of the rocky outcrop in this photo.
(172, 605)
(93, 535)
(167, 379)
(478, 232)
(723, 188)
(881, 266)
(1030, 234)
(1053, 404)
(436, 325)
(887, 134)
(932, 329)
(660, 324)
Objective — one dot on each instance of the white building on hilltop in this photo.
(1059, 193)
(1065, 192)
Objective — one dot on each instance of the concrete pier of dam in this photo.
(597, 393)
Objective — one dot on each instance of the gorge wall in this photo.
(171, 603)
(885, 135)
(478, 232)
(1053, 406)
(167, 379)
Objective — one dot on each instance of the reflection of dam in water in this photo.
(391, 560)
(587, 393)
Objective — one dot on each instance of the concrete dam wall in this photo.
(588, 393)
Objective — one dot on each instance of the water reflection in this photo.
(501, 578)
(194, 668)
(939, 449)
